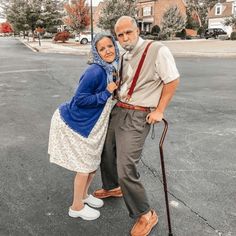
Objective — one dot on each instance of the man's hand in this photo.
(154, 117)
(167, 93)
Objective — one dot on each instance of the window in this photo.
(234, 8)
(147, 11)
(218, 9)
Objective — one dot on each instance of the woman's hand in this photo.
(111, 87)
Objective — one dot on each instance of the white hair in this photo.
(126, 18)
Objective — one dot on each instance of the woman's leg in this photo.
(80, 184)
(89, 180)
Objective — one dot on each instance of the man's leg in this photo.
(108, 160)
(130, 138)
(110, 187)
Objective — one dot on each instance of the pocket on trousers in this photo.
(135, 120)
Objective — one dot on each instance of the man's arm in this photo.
(167, 93)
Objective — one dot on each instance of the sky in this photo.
(95, 2)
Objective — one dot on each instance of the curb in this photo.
(62, 51)
(27, 45)
(175, 54)
(205, 55)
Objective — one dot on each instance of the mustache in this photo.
(128, 47)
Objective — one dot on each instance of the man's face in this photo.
(127, 34)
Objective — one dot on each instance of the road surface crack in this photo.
(158, 176)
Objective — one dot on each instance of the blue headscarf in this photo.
(109, 67)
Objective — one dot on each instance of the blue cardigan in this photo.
(86, 106)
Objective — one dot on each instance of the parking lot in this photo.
(199, 148)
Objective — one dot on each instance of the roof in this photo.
(226, 10)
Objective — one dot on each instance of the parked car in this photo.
(214, 33)
(83, 37)
(47, 35)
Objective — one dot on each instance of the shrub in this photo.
(201, 32)
(181, 34)
(155, 30)
(233, 36)
(163, 36)
(149, 36)
(62, 36)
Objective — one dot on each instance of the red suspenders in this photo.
(136, 75)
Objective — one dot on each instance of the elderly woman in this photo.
(78, 127)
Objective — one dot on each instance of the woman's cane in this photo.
(164, 174)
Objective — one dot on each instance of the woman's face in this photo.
(106, 49)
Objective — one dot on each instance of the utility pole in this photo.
(91, 18)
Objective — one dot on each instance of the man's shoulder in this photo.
(155, 45)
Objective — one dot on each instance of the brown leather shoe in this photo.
(102, 193)
(143, 226)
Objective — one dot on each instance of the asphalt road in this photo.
(199, 150)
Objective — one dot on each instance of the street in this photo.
(199, 150)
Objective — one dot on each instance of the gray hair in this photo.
(126, 18)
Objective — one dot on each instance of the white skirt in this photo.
(72, 151)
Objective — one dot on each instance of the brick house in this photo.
(150, 13)
(219, 13)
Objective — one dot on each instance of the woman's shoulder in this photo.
(93, 74)
(94, 71)
(95, 68)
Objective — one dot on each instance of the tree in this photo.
(5, 28)
(193, 21)
(1, 12)
(200, 9)
(211, 3)
(172, 22)
(33, 14)
(25, 15)
(78, 17)
(113, 10)
(231, 21)
(51, 15)
(15, 14)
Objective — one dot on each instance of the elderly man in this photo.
(148, 80)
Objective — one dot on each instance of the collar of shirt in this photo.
(128, 55)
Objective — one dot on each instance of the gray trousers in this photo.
(124, 142)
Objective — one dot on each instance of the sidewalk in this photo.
(47, 46)
(179, 48)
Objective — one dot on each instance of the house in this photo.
(150, 13)
(219, 13)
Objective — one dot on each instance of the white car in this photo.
(83, 37)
